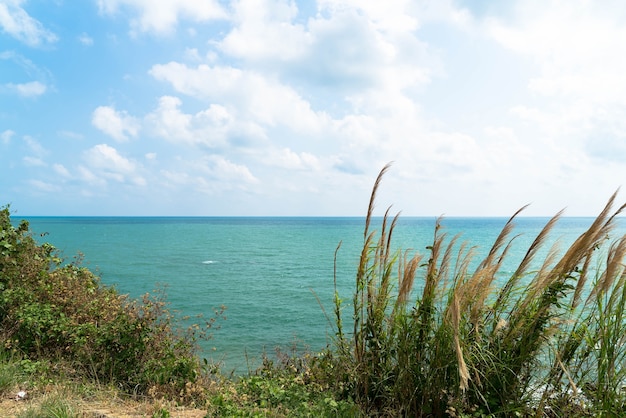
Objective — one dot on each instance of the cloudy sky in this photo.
(280, 107)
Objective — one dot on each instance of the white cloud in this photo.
(163, 16)
(350, 60)
(105, 156)
(291, 160)
(61, 170)
(291, 107)
(43, 186)
(264, 30)
(34, 146)
(192, 54)
(6, 136)
(71, 135)
(34, 162)
(85, 39)
(345, 47)
(27, 69)
(223, 169)
(118, 125)
(105, 162)
(16, 22)
(211, 174)
(377, 117)
(392, 15)
(349, 51)
(578, 73)
(575, 44)
(210, 127)
(88, 176)
(30, 89)
(257, 99)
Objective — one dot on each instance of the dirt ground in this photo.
(11, 408)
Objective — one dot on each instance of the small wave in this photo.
(208, 262)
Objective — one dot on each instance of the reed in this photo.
(430, 337)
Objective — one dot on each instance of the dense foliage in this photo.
(62, 313)
(59, 325)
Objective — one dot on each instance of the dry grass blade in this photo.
(537, 244)
(454, 316)
(444, 266)
(528, 258)
(588, 241)
(613, 269)
(372, 204)
(500, 241)
(407, 275)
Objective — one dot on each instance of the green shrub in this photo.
(64, 314)
(284, 386)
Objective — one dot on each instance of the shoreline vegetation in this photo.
(422, 335)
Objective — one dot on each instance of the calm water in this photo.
(266, 271)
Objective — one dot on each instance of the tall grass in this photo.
(432, 336)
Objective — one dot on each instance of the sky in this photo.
(291, 108)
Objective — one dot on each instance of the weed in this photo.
(51, 407)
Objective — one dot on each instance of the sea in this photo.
(274, 275)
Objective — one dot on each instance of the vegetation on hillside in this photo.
(434, 334)
(60, 314)
(64, 337)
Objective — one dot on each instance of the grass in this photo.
(440, 333)
(50, 407)
(463, 343)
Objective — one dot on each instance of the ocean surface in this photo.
(270, 273)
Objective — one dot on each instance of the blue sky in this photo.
(277, 107)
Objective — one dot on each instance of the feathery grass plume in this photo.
(455, 318)
(500, 240)
(534, 317)
(465, 345)
(505, 293)
(426, 304)
(589, 351)
(590, 240)
(360, 295)
(613, 265)
(595, 347)
(407, 267)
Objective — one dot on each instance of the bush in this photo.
(63, 313)
(283, 386)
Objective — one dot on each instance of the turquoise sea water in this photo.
(268, 272)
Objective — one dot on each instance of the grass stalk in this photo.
(475, 341)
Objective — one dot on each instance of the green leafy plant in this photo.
(62, 313)
(284, 386)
